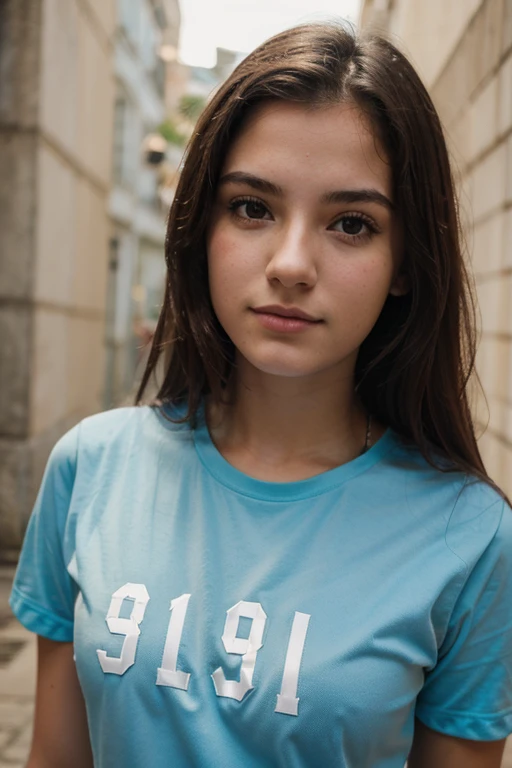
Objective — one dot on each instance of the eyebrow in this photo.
(336, 196)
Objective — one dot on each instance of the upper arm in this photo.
(468, 693)
(431, 748)
(61, 735)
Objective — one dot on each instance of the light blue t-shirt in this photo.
(222, 621)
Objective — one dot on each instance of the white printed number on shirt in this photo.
(168, 674)
(246, 648)
(128, 627)
(287, 701)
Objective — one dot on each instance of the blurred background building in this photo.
(463, 51)
(137, 232)
(56, 118)
(82, 87)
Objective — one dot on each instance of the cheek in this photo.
(373, 281)
(232, 257)
(228, 269)
(218, 248)
(362, 287)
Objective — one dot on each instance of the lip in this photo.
(293, 313)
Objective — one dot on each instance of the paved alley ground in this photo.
(17, 682)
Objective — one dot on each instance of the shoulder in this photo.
(123, 422)
(140, 422)
(466, 512)
(480, 519)
(120, 432)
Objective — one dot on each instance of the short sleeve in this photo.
(43, 592)
(468, 693)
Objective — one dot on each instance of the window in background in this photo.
(127, 139)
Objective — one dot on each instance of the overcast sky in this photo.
(241, 25)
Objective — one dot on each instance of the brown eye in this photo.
(355, 228)
(352, 225)
(253, 209)
(249, 209)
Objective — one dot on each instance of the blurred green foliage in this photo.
(191, 106)
(176, 128)
(171, 133)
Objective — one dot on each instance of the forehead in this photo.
(325, 147)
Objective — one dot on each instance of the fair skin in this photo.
(318, 233)
(299, 192)
(61, 736)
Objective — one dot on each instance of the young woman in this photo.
(296, 557)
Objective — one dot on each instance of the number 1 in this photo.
(287, 701)
(168, 674)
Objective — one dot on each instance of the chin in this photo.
(280, 366)
(285, 372)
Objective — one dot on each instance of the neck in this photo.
(296, 426)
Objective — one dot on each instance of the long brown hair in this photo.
(413, 368)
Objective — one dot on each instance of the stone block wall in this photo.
(467, 66)
(56, 117)
(474, 96)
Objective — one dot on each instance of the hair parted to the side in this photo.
(413, 369)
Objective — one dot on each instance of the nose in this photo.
(293, 261)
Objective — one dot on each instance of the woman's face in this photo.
(304, 244)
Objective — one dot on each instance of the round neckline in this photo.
(265, 490)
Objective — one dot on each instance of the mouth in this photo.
(292, 313)
(284, 320)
